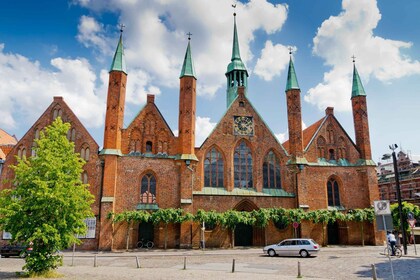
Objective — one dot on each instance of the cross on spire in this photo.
(122, 26)
(234, 9)
(290, 50)
(354, 58)
(189, 35)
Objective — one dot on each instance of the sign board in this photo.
(384, 222)
(295, 224)
(412, 223)
(382, 207)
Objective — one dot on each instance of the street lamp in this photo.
(397, 184)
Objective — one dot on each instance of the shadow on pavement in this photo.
(405, 268)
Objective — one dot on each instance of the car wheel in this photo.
(304, 253)
(271, 253)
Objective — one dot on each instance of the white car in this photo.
(293, 247)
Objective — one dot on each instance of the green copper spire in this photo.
(118, 63)
(236, 74)
(357, 88)
(292, 82)
(188, 65)
(236, 61)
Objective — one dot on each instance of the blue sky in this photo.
(65, 48)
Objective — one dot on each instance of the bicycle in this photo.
(145, 244)
(388, 251)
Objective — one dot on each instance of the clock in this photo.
(243, 125)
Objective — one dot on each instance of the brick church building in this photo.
(241, 165)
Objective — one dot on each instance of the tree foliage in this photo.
(48, 204)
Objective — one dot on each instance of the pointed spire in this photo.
(357, 88)
(236, 61)
(292, 82)
(235, 47)
(118, 63)
(188, 65)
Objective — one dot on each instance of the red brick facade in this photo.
(241, 165)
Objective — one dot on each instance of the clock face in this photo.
(243, 125)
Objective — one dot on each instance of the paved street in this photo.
(350, 262)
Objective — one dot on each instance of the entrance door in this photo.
(146, 231)
(243, 235)
(333, 234)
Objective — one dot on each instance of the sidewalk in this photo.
(334, 262)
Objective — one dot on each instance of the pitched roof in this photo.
(308, 133)
(6, 138)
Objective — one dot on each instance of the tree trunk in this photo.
(127, 238)
(233, 238)
(166, 235)
(363, 236)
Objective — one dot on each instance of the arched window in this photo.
(84, 177)
(271, 171)
(333, 193)
(213, 169)
(85, 152)
(149, 146)
(243, 166)
(321, 147)
(332, 154)
(148, 189)
(21, 152)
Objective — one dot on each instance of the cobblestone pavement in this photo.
(337, 262)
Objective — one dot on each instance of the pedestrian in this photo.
(391, 241)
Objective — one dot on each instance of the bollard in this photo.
(137, 262)
(95, 263)
(374, 277)
(72, 256)
(185, 263)
(299, 274)
(233, 266)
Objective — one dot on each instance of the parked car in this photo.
(17, 250)
(293, 247)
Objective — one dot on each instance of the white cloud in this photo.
(92, 34)
(155, 39)
(203, 128)
(274, 59)
(351, 32)
(34, 88)
(281, 137)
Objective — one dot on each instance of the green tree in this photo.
(406, 208)
(210, 218)
(231, 218)
(168, 216)
(129, 217)
(361, 215)
(48, 203)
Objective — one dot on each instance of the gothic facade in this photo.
(241, 165)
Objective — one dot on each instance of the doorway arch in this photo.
(247, 235)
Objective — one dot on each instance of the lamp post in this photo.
(397, 184)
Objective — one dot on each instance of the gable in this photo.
(329, 141)
(148, 128)
(242, 121)
(77, 134)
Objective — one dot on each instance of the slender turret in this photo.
(236, 73)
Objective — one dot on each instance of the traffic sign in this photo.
(295, 224)
(412, 223)
(382, 207)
